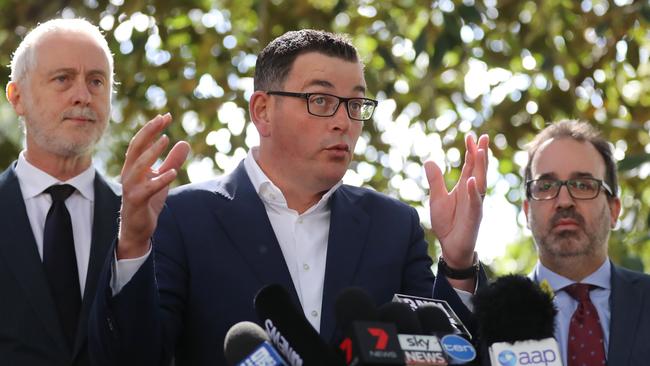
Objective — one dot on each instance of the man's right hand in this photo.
(144, 189)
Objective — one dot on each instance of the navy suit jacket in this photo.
(214, 248)
(629, 328)
(30, 333)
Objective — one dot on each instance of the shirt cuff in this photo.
(466, 298)
(124, 269)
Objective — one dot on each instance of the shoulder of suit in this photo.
(110, 183)
(631, 275)
(8, 173)
(367, 195)
(210, 186)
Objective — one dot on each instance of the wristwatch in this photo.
(459, 274)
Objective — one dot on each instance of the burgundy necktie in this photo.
(586, 345)
(60, 262)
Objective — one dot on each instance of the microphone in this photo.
(415, 302)
(289, 331)
(367, 340)
(440, 320)
(246, 344)
(419, 348)
(516, 320)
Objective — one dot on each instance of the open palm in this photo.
(456, 215)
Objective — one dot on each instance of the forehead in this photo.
(69, 50)
(312, 68)
(565, 157)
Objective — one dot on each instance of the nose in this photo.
(340, 121)
(81, 94)
(564, 199)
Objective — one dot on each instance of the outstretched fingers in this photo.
(437, 187)
(481, 164)
(176, 157)
(144, 138)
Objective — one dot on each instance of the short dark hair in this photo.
(580, 131)
(276, 59)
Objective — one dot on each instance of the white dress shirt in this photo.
(33, 182)
(302, 238)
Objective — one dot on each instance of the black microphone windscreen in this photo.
(289, 330)
(402, 316)
(354, 304)
(514, 308)
(433, 320)
(241, 340)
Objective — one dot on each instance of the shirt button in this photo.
(300, 220)
(305, 266)
(314, 313)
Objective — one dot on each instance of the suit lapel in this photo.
(105, 218)
(248, 227)
(625, 303)
(347, 239)
(19, 252)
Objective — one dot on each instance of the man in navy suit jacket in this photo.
(571, 206)
(282, 217)
(61, 82)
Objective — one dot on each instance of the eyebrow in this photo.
(572, 176)
(69, 70)
(327, 84)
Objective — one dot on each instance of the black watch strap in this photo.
(458, 274)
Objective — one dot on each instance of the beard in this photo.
(65, 140)
(587, 241)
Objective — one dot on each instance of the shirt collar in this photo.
(33, 181)
(269, 193)
(600, 278)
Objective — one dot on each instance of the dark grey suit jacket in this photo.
(30, 333)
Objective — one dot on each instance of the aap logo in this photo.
(458, 348)
(507, 358)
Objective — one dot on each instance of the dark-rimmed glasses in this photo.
(326, 105)
(579, 188)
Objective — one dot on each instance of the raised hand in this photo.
(144, 189)
(456, 215)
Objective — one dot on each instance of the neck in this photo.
(298, 193)
(60, 167)
(575, 268)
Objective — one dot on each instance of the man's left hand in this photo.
(456, 215)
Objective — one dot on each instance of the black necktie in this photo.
(60, 261)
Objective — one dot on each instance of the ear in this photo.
(526, 208)
(260, 109)
(13, 93)
(614, 210)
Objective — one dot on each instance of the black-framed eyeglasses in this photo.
(579, 188)
(326, 105)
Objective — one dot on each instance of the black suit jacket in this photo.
(30, 333)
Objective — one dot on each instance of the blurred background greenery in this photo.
(441, 69)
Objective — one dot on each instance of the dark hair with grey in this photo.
(276, 59)
(580, 131)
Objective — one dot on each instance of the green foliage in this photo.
(441, 69)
